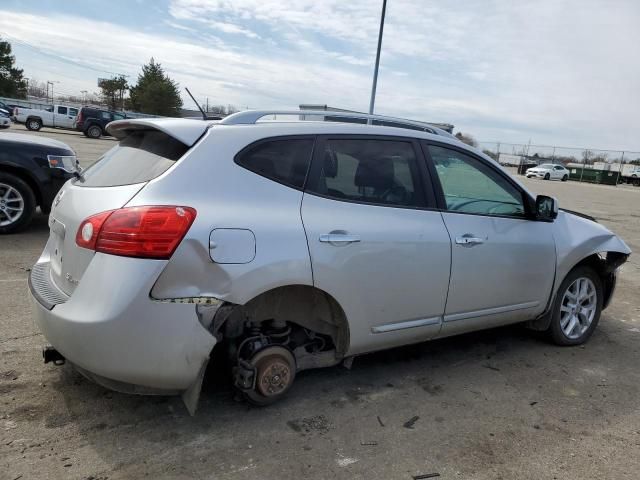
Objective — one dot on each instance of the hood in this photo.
(33, 140)
(579, 214)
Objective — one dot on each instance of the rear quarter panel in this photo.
(226, 195)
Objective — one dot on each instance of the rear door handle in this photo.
(468, 240)
(339, 238)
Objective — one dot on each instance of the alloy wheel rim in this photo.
(34, 124)
(578, 308)
(11, 205)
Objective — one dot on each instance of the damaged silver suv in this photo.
(300, 244)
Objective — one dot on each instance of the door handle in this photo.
(339, 238)
(468, 240)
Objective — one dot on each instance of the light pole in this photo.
(51, 83)
(375, 71)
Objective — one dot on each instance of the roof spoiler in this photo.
(185, 131)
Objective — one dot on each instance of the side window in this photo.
(73, 112)
(285, 161)
(471, 186)
(369, 171)
(558, 167)
(106, 116)
(117, 116)
(62, 110)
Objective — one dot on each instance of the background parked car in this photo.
(5, 120)
(5, 109)
(92, 121)
(32, 170)
(57, 116)
(548, 171)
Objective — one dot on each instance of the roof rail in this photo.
(249, 117)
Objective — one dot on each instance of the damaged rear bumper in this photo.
(116, 335)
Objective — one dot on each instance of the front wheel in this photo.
(577, 307)
(17, 203)
(547, 176)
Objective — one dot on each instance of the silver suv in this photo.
(297, 245)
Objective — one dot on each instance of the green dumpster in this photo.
(589, 175)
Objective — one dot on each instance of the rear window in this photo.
(141, 156)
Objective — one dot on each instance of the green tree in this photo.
(155, 93)
(113, 90)
(12, 83)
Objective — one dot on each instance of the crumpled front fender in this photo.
(578, 238)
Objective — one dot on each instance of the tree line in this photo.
(154, 92)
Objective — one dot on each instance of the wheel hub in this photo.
(273, 377)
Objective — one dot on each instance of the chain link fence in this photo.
(585, 164)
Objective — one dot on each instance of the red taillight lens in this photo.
(144, 232)
(79, 118)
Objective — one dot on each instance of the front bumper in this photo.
(5, 122)
(535, 174)
(115, 333)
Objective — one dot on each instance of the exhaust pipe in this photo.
(50, 354)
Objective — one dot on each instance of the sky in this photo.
(554, 72)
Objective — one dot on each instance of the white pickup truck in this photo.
(57, 116)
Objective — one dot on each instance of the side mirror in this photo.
(546, 208)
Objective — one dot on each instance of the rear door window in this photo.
(283, 160)
(73, 112)
(62, 110)
(381, 172)
(141, 156)
(106, 116)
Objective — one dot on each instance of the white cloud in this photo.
(555, 72)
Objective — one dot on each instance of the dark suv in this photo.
(32, 170)
(92, 121)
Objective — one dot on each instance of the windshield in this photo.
(141, 156)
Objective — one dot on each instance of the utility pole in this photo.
(375, 71)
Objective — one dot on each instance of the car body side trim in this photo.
(391, 327)
(490, 311)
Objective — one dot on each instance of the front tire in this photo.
(17, 203)
(577, 307)
(94, 131)
(547, 176)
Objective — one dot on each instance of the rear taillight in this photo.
(79, 118)
(143, 232)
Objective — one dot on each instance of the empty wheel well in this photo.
(301, 305)
(27, 179)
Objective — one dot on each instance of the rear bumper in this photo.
(113, 331)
